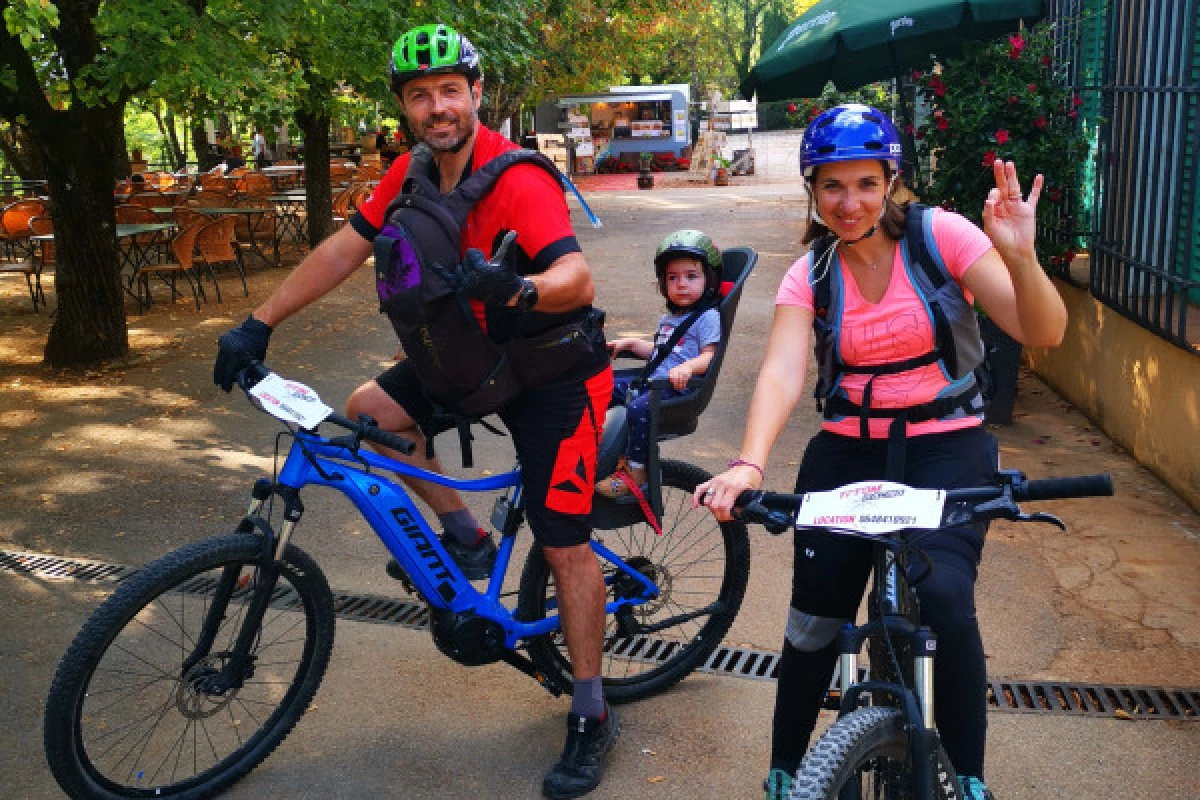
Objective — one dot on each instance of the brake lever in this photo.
(1042, 516)
(776, 522)
(1005, 508)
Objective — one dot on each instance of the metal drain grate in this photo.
(1077, 699)
(1085, 699)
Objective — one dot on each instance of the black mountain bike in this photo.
(884, 744)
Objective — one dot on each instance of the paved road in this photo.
(123, 465)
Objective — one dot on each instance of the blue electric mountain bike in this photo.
(200, 664)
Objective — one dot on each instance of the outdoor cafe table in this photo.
(282, 175)
(289, 205)
(254, 218)
(137, 246)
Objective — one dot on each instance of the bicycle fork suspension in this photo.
(261, 583)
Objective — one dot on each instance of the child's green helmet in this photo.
(433, 49)
(695, 244)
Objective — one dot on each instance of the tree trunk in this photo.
(120, 149)
(206, 159)
(314, 128)
(77, 147)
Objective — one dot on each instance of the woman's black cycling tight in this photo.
(830, 575)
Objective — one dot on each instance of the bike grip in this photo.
(1062, 488)
(251, 374)
(392, 440)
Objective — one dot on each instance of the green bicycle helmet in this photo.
(695, 244)
(432, 49)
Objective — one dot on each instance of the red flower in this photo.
(1073, 114)
(1069, 256)
(1001, 136)
(1016, 42)
(1046, 62)
(938, 87)
(1077, 101)
(1040, 122)
(937, 114)
(1055, 194)
(942, 123)
(989, 158)
(791, 108)
(1032, 87)
(917, 75)
(908, 129)
(1012, 100)
(940, 91)
(920, 135)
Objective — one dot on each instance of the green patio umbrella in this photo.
(856, 42)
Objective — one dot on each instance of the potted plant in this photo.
(645, 177)
(1004, 100)
(721, 171)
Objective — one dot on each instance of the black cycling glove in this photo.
(238, 348)
(493, 282)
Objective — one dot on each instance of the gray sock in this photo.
(462, 526)
(588, 698)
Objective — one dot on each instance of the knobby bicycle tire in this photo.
(126, 662)
(867, 745)
(696, 562)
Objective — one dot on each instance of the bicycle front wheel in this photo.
(132, 711)
(865, 755)
(697, 564)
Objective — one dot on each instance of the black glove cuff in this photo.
(257, 325)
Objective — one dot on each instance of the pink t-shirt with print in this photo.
(894, 329)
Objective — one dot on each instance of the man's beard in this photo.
(452, 141)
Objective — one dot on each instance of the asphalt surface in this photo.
(126, 464)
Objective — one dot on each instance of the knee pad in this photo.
(809, 633)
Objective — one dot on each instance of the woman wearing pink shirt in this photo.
(885, 296)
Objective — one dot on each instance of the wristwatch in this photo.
(528, 296)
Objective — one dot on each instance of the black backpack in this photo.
(416, 253)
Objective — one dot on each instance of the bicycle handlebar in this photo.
(776, 510)
(362, 428)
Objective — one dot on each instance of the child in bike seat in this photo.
(687, 266)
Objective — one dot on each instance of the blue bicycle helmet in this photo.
(849, 132)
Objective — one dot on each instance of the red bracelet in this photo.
(737, 462)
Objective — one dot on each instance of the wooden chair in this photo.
(255, 184)
(182, 247)
(187, 217)
(211, 181)
(340, 174)
(14, 226)
(341, 206)
(365, 172)
(130, 214)
(216, 244)
(46, 254)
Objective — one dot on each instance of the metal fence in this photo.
(1136, 63)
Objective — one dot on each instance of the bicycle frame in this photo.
(391, 513)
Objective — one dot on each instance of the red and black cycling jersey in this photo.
(526, 199)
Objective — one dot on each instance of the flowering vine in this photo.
(1004, 99)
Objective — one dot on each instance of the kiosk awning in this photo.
(576, 100)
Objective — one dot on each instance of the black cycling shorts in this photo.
(556, 432)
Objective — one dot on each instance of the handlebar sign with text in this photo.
(290, 401)
(872, 507)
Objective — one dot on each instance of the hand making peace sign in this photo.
(1009, 220)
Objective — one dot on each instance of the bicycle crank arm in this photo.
(520, 662)
(631, 627)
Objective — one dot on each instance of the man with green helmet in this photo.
(544, 283)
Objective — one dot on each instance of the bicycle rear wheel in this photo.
(696, 563)
(127, 717)
(865, 755)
